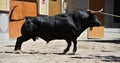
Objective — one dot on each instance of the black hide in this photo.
(67, 26)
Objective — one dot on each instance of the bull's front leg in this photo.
(68, 46)
(19, 42)
(18, 45)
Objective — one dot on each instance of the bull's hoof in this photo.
(64, 52)
(73, 53)
(18, 52)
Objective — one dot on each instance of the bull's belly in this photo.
(56, 35)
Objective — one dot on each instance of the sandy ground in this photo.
(41, 52)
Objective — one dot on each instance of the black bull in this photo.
(67, 26)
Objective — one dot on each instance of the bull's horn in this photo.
(91, 11)
(95, 12)
(101, 10)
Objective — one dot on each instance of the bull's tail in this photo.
(11, 13)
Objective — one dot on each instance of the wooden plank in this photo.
(24, 8)
(97, 32)
(14, 27)
(54, 7)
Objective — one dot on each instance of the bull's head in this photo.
(93, 18)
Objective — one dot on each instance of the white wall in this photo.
(112, 29)
(4, 33)
(4, 22)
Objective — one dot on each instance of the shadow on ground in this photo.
(12, 52)
(116, 41)
(103, 58)
(109, 58)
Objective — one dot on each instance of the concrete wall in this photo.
(4, 27)
(109, 8)
(80, 4)
(112, 29)
(4, 31)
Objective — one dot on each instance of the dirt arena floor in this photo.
(41, 52)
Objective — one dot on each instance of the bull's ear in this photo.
(90, 14)
(88, 11)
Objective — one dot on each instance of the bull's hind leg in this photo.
(68, 46)
(75, 46)
(19, 42)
